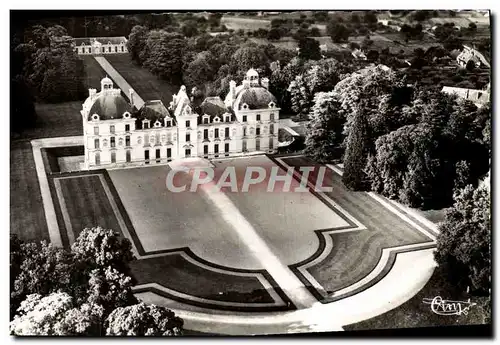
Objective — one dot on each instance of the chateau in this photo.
(116, 134)
(100, 45)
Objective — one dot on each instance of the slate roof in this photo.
(110, 106)
(213, 106)
(256, 97)
(152, 110)
(102, 40)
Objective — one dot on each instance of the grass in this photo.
(27, 217)
(93, 73)
(247, 24)
(414, 313)
(144, 83)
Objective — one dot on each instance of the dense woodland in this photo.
(385, 117)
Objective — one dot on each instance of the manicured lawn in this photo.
(414, 313)
(27, 217)
(247, 24)
(93, 74)
(145, 84)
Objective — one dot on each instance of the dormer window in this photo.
(188, 124)
(157, 124)
(206, 119)
(257, 117)
(216, 119)
(272, 105)
(245, 106)
(227, 118)
(126, 115)
(145, 124)
(95, 117)
(168, 123)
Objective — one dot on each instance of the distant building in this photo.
(100, 45)
(117, 135)
(468, 54)
(478, 97)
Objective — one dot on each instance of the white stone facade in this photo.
(100, 45)
(116, 136)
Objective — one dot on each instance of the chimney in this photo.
(131, 96)
(264, 82)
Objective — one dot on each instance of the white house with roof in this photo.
(100, 45)
(116, 134)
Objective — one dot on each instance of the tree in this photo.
(356, 152)
(136, 43)
(309, 49)
(165, 52)
(201, 70)
(338, 32)
(464, 240)
(274, 34)
(324, 130)
(56, 315)
(143, 320)
(246, 57)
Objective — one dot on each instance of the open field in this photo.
(27, 217)
(145, 84)
(93, 74)
(247, 24)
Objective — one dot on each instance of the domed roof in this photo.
(256, 97)
(106, 80)
(252, 73)
(109, 106)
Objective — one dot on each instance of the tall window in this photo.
(257, 144)
(127, 140)
(96, 143)
(96, 130)
(244, 131)
(188, 124)
(216, 132)
(146, 156)
(244, 148)
(113, 157)
(116, 49)
(112, 129)
(205, 134)
(158, 156)
(244, 118)
(257, 131)
(216, 150)
(271, 143)
(188, 152)
(103, 49)
(109, 49)
(112, 142)
(258, 117)
(226, 148)
(122, 48)
(188, 137)
(127, 128)
(127, 153)
(97, 158)
(271, 117)
(226, 132)
(271, 128)
(169, 153)
(205, 150)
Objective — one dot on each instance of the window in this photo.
(244, 131)
(127, 156)
(188, 124)
(216, 150)
(146, 156)
(271, 143)
(226, 149)
(188, 137)
(188, 152)
(113, 157)
(103, 49)
(205, 150)
(158, 156)
(244, 118)
(257, 131)
(205, 120)
(127, 128)
(257, 144)
(169, 123)
(127, 140)
(122, 48)
(244, 148)
(226, 132)
(169, 153)
(96, 130)
(271, 128)
(116, 49)
(145, 125)
(96, 143)
(205, 134)
(97, 158)
(271, 117)
(112, 129)
(90, 50)
(112, 142)
(109, 49)
(216, 132)
(258, 117)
